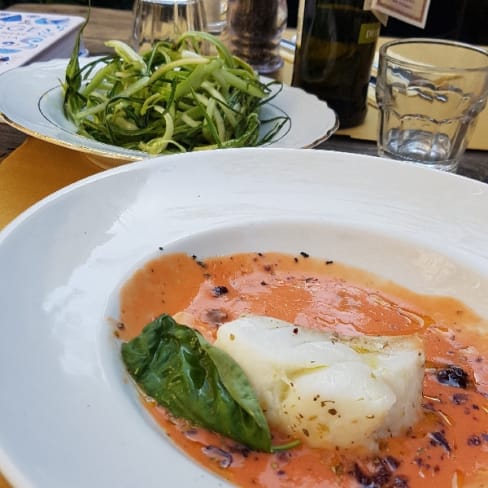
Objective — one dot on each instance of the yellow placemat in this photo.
(3, 482)
(368, 130)
(33, 171)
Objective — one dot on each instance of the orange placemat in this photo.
(35, 170)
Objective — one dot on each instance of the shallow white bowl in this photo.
(68, 418)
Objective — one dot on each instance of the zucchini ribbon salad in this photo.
(171, 98)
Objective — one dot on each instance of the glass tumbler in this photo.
(165, 20)
(429, 92)
(215, 11)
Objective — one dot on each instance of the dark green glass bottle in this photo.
(335, 49)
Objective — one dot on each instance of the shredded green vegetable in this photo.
(171, 98)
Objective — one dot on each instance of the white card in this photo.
(411, 11)
(368, 5)
(27, 37)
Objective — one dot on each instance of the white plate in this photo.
(67, 418)
(31, 100)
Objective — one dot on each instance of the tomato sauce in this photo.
(447, 447)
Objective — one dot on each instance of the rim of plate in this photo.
(95, 148)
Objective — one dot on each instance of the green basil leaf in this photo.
(193, 379)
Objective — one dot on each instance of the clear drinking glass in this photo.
(165, 20)
(429, 93)
(254, 29)
(215, 12)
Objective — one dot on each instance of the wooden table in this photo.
(108, 24)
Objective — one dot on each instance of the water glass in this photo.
(253, 32)
(165, 20)
(429, 93)
(215, 12)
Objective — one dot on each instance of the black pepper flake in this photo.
(240, 449)
(329, 262)
(201, 264)
(453, 376)
(268, 268)
(459, 398)
(304, 254)
(191, 432)
(260, 254)
(161, 248)
(380, 477)
(224, 458)
(332, 411)
(282, 456)
(218, 291)
(263, 283)
(295, 259)
(306, 432)
(400, 482)
(474, 440)
(295, 330)
(439, 439)
(392, 463)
